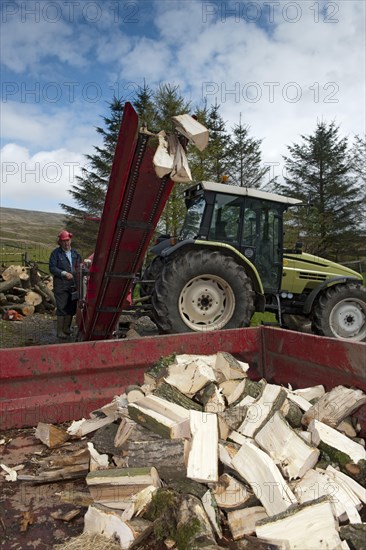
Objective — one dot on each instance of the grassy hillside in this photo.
(28, 232)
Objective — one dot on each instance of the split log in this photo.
(162, 417)
(307, 527)
(3, 298)
(110, 524)
(50, 435)
(191, 377)
(230, 493)
(227, 451)
(310, 394)
(114, 488)
(211, 398)
(68, 472)
(155, 376)
(262, 409)
(79, 428)
(231, 419)
(210, 506)
(97, 461)
(318, 483)
(293, 455)
(57, 462)
(292, 413)
(192, 130)
(124, 430)
(353, 486)
(172, 394)
(139, 503)
(230, 367)
(9, 284)
(335, 406)
(243, 522)
(203, 455)
(336, 443)
(262, 474)
(32, 298)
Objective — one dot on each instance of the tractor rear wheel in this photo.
(151, 273)
(341, 313)
(202, 290)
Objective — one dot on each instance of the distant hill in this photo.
(29, 226)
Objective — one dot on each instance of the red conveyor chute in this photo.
(134, 201)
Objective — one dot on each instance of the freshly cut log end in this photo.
(306, 527)
(335, 406)
(230, 493)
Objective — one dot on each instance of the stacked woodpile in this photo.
(24, 291)
(201, 456)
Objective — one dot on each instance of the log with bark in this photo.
(26, 291)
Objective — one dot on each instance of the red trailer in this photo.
(64, 382)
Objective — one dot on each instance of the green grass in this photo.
(260, 318)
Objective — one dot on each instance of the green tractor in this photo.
(229, 262)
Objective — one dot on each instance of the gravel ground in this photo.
(40, 330)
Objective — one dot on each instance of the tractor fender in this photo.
(240, 258)
(308, 306)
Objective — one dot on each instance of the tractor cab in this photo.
(249, 220)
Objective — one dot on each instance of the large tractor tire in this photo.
(151, 273)
(341, 313)
(202, 290)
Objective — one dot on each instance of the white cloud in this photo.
(301, 71)
(38, 126)
(32, 182)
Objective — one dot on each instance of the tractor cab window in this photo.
(192, 222)
(225, 222)
(262, 232)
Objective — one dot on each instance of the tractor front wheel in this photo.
(341, 313)
(202, 290)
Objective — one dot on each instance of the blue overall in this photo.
(62, 287)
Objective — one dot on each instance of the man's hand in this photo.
(69, 276)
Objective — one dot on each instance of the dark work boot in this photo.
(67, 325)
(60, 328)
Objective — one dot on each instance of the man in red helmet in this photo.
(63, 265)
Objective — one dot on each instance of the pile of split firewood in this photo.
(201, 456)
(24, 291)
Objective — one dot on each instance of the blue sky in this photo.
(282, 64)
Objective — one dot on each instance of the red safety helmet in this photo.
(64, 235)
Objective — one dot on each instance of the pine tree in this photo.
(245, 164)
(217, 151)
(319, 170)
(91, 187)
(145, 107)
(212, 163)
